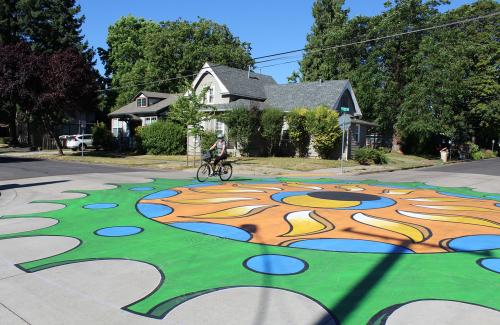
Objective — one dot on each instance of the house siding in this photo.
(209, 81)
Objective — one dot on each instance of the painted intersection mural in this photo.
(362, 251)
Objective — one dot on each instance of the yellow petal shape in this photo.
(416, 233)
(225, 190)
(397, 192)
(237, 212)
(452, 218)
(306, 223)
(312, 202)
(293, 184)
(436, 199)
(211, 200)
(351, 188)
(456, 208)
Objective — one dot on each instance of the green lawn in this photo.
(396, 161)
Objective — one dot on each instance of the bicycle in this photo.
(206, 170)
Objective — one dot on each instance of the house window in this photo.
(219, 127)
(209, 97)
(150, 120)
(142, 102)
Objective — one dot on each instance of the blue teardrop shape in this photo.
(150, 210)
(350, 245)
(213, 229)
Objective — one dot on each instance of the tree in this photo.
(323, 125)
(47, 26)
(297, 130)
(243, 125)
(67, 84)
(18, 77)
(329, 29)
(142, 53)
(190, 110)
(418, 87)
(271, 126)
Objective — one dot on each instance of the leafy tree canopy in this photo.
(145, 54)
(418, 87)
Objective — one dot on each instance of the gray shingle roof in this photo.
(153, 94)
(238, 83)
(306, 94)
(131, 108)
(240, 103)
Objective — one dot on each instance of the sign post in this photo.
(345, 121)
(82, 132)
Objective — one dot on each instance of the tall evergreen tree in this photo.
(47, 26)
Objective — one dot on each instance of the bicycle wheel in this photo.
(226, 171)
(203, 172)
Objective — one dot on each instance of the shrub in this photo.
(323, 125)
(162, 138)
(102, 137)
(272, 124)
(297, 131)
(477, 155)
(244, 127)
(208, 138)
(369, 156)
(489, 154)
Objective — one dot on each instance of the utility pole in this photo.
(343, 118)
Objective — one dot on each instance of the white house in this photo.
(230, 88)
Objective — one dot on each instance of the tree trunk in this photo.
(396, 142)
(13, 129)
(49, 129)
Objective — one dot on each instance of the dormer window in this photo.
(142, 102)
(209, 97)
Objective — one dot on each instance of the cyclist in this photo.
(220, 145)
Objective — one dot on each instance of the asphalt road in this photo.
(18, 168)
(481, 167)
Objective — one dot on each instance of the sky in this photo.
(270, 26)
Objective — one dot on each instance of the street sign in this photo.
(345, 121)
(344, 109)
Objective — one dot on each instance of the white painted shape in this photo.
(15, 225)
(249, 305)
(443, 312)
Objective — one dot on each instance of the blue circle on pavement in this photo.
(100, 206)
(118, 231)
(275, 264)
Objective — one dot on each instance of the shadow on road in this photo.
(11, 186)
(10, 160)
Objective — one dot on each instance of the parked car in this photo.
(64, 139)
(79, 142)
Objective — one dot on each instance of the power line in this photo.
(279, 56)
(458, 22)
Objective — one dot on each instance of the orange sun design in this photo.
(310, 216)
